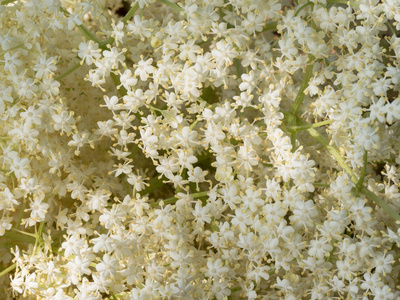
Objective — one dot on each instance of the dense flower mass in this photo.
(199, 149)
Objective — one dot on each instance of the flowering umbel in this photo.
(199, 149)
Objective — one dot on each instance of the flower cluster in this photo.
(199, 149)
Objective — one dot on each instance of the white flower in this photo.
(64, 121)
(127, 80)
(247, 157)
(20, 167)
(113, 57)
(27, 88)
(17, 283)
(107, 267)
(186, 159)
(72, 245)
(7, 200)
(38, 209)
(221, 289)
(5, 224)
(11, 62)
(144, 69)
(139, 26)
(78, 141)
(197, 175)
(89, 52)
(320, 248)
(383, 262)
(224, 53)
(216, 268)
(202, 214)
(143, 3)
(117, 33)
(371, 282)
(74, 20)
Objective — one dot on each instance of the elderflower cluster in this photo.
(199, 149)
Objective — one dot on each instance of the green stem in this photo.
(270, 26)
(302, 7)
(194, 123)
(154, 184)
(305, 127)
(90, 36)
(333, 151)
(174, 199)
(16, 236)
(130, 13)
(113, 296)
(121, 90)
(274, 43)
(293, 141)
(8, 270)
(360, 182)
(38, 237)
(391, 28)
(238, 68)
(299, 100)
(86, 32)
(336, 155)
(23, 232)
(12, 48)
(21, 213)
(172, 5)
(321, 185)
(300, 95)
(5, 2)
(69, 71)
(134, 151)
(124, 20)
(370, 195)
(343, 2)
(235, 289)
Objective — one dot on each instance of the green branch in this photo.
(154, 184)
(8, 270)
(172, 5)
(270, 26)
(300, 95)
(12, 48)
(174, 199)
(333, 151)
(360, 182)
(299, 100)
(370, 195)
(69, 71)
(130, 13)
(305, 127)
(5, 2)
(302, 7)
(90, 36)
(238, 68)
(342, 2)
(20, 237)
(124, 20)
(336, 155)
(86, 32)
(391, 28)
